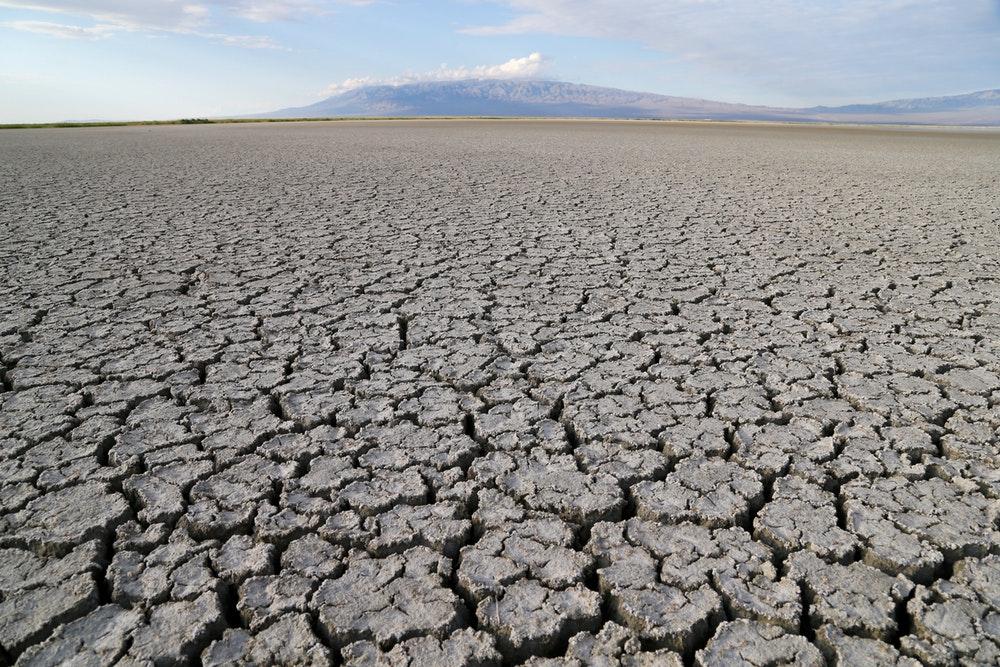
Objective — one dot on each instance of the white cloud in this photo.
(181, 15)
(267, 11)
(191, 17)
(527, 67)
(101, 31)
(244, 41)
(61, 30)
(790, 44)
(172, 15)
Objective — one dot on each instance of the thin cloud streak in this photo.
(186, 17)
(61, 30)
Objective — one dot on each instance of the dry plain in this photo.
(470, 393)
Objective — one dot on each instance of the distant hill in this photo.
(980, 108)
(559, 99)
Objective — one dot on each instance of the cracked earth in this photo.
(474, 393)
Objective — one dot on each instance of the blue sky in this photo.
(132, 59)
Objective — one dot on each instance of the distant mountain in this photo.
(514, 98)
(559, 99)
(980, 100)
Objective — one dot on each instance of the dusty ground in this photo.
(471, 393)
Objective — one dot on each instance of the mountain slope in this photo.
(560, 99)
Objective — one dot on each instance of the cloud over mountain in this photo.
(527, 67)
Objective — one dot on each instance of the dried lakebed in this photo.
(472, 393)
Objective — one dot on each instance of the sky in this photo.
(161, 59)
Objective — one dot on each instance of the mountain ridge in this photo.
(545, 98)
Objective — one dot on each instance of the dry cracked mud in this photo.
(481, 393)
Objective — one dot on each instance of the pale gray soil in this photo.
(470, 393)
